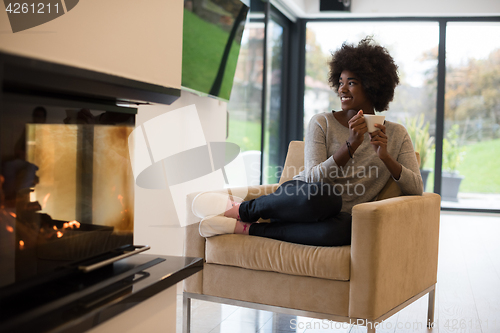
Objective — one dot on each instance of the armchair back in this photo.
(294, 162)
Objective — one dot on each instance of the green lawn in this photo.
(202, 49)
(479, 168)
(246, 134)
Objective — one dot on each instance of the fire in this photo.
(9, 228)
(71, 224)
(13, 214)
(67, 225)
(44, 201)
(21, 244)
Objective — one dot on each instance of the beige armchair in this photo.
(391, 262)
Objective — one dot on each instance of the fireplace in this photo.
(66, 195)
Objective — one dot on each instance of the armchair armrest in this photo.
(194, 244)
(394, 252)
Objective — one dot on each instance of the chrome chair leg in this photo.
(430, 310)
(186, 314)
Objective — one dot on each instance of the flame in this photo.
(13, 214)
(21, 244)
(9, 228)
(71, 224)
(54, 227)
(59, 234)
(44, 201)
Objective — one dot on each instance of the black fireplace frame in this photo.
(22, 76)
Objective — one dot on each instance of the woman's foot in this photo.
(211, 203)
(217, 225)
(221, 225)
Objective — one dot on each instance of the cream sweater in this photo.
(364, 176)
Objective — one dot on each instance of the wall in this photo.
(156, 221)
(140, 40)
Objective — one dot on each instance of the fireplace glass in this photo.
(66, 187)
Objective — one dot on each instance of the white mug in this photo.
(371, 120)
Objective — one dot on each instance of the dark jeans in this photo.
(300, 212)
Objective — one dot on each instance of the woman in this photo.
(344, 164)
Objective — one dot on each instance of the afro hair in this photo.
(373, 65)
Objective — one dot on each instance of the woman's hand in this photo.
(357, 129)
(379, 141)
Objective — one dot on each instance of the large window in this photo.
(273, 102)
(465, 114)
(255, 108)
(245, 104)
(471, 128)
(471, 145)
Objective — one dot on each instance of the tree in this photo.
(316, 60)
(473, 89)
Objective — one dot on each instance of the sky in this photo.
(407, 41)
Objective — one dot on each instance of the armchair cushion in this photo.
(264, 254)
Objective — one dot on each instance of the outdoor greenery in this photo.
(479, 166)
(478, 161)
(453, 152)
(244, 134)
(316, 60)
(473, 89)
(203, 45)
(419, 135)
